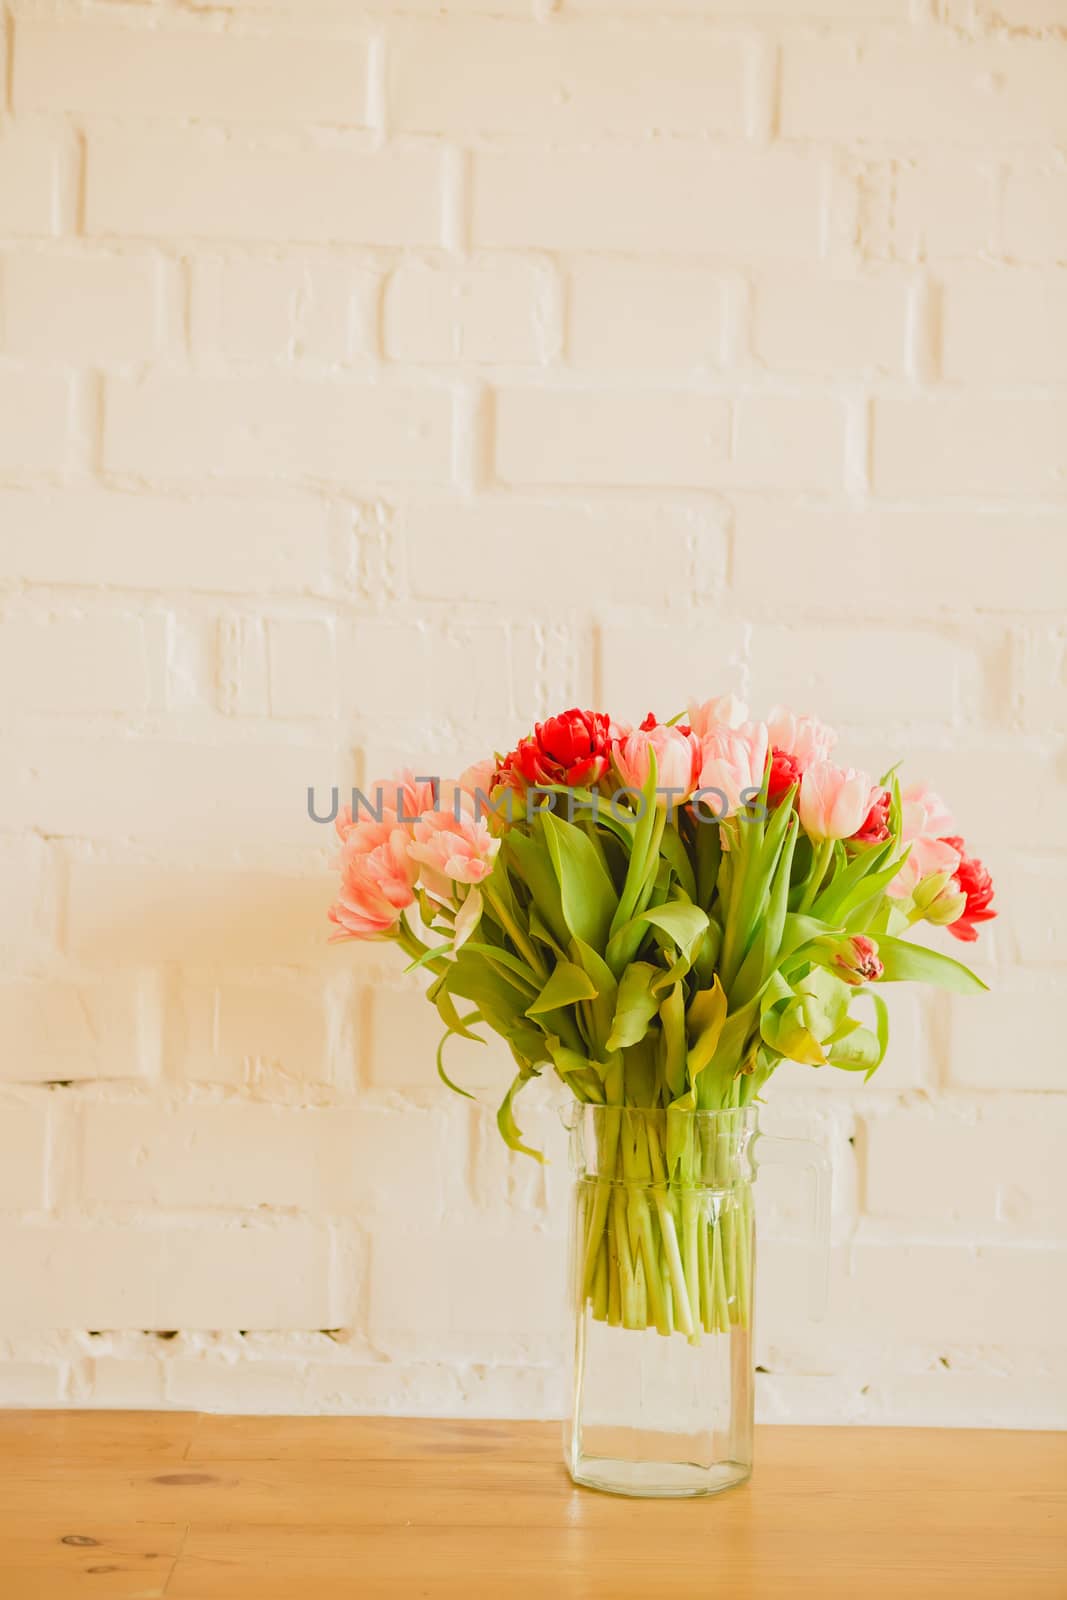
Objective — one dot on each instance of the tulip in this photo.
(874, 829)
(452, 849)
(976, 886)
(377, 879)
(927, 858)
(725, 712)
(856, 960)
(937, 899)
(833, 800)
(732, 762)
(678, 759)
(803, 737)
(785, 773)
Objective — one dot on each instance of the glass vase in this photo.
(663, 1261)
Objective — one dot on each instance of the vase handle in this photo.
(804, 1155)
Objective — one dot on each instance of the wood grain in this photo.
(136, 1506)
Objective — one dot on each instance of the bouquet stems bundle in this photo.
(667, 1252)
(660, 916)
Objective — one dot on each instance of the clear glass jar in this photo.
(662, 1271)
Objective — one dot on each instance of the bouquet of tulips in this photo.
(661, 915)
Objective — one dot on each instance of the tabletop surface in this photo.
(189, 1507)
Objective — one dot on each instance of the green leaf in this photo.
(860, 1052)
(723, 1066)
(707, 846)
(500, 1001)
(824, 1002)
(637, 870)
(830, 904)
(599, 1013)
(528, 853)
(635, 1006)
(764, 951)
(540, 931)
(454, 1025)
(705, 1021)
(881, 1027)
(505, 1117)
(673, 851)
(673, 1041)
(684, 923)
(429, 956)
(911, 963)
(566, 985)
(784, 1026)
(510, 964)
(587, 894)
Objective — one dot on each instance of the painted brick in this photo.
(443, 676)
(70, 64)
(35, 408)
(197, 184)
(625, 315)
(731, 206)
(1006, 327)
(76, 663)
(879, 551)
(943, 207)
(462, 78)
(140, 540)
(209, 1275)
(572, 436)
(518, 549)
(299, 309)
(330, 1162)
(159, 912)
(990, 1166)
(500, 1310)
(495, 311)
(831, 324)
(935, 677)
(35, 165)
(952, 1291)
(23, 1132)
(788, 441)
(1000, 1042)
(263, 1035)
(1002, 91)
(61, 1030)
(80, 307)
(645, 665)
(230, 793)
(181, 427)
(1035, 214)
(983, 443)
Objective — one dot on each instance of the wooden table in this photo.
(125, 1504)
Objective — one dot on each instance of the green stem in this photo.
(413, 946)
(823, 854)
(525, 946)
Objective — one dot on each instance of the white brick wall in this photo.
(375, 378)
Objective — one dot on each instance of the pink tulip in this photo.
(678, 759)
(478, 777)
(452, 850)
(926, 857)
(377, 879)
(925, 819)
(402, 798)
(732, 760)
(725, 712)
(802, 737)
(833, 801)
